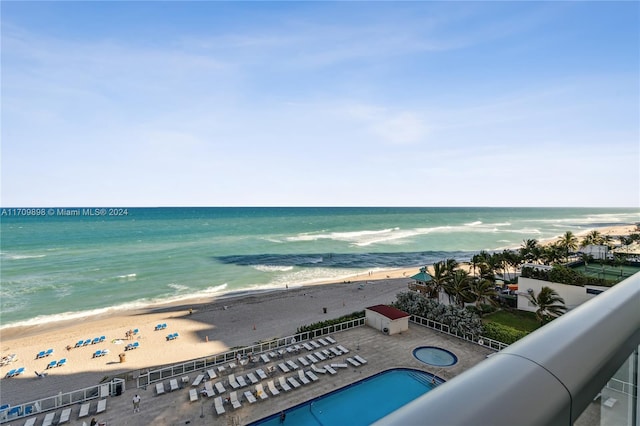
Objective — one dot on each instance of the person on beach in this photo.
(136, 403)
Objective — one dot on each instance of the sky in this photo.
(320, 104)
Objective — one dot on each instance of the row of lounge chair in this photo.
(15, 372)
(99, 353)
(88, 342)
(161, 326)
(172, 336)
(131, 346)
(54, 364)
(43, 354)
(65, 414)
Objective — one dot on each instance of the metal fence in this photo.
(443, 328)
(114, 387)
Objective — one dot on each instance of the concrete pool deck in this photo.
(382, 352)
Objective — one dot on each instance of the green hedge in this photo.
(327, 323)
(502, 333)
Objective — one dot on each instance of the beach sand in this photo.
(206, 327)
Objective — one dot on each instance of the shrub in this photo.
(502, 333)
(327, 323)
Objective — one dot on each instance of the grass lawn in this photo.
(520, 320)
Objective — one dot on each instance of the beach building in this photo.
(421, 283)
(387, 319)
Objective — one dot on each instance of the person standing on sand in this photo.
(136, 403)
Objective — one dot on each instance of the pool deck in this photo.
(381, 351)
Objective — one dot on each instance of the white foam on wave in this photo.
(125, 307)
(476, 223)
(178, 287)
(272, 268)
(10, 256)
(356, 238)
(127, 276)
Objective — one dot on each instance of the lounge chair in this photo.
(102, 406)
(102, 339)
(303, 361)
(86, 342)
(252, 378)
(360, 359)
(260, 372)
(32, 421)
(312, 358)
(314, 344)
(265, 358)
(292, 380)
(260, 392)
(52, 364)
(233, 382)
(198, 379)
(84, 410)
(272, 388)
(79, 343)
(339, 365)
(343, 349)
(323, 342)
(303, 378)
(307, 346)
(241, 381)
(233, 396)
(312, 376)
(159, 388)
(283, 367)
(136, 331)
(320, 356)
(330, 340)
(330, 369)
(217, 403)
(97, 354)
(335, 351)
(193, 395)
(95, 340)
(327, 354)
(41, 354)
(292, 364)
(48, 419)
(283, 384)
(173, 383)
(249, 397)
(211, 373)
(221, 369)
(220, 387)
(610, 402)
(62, 362)
(65, 416)
(353, 362)
(318, 370)
(232, 365)
(208, 389)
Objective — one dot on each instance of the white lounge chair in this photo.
(312, 358)
(360, 359)
(330, 340)
(260, 392)
(65, 416)
(84, 410)
(249, 397)
(193, 395)
(610, 402)
(323, 342)
(198, 380)
(32, 422)
(48, 419)
(353, 362)
(220, 387)
(208, 389)
(252, 378)
(283, 367)
(173, 383)
(303, 361)
(343, 349)
(159, 388)
(211, 373)
(260, 372)
(235, 402)
(265, 358)
(232, 381)
(241, 381)
(217, 403)
(330, 369)
(283, 384)
(311, 375)
(339, 365)
(272, 388)
(318, 370)
(314, 344)
(293, 382)
(102, 406)
(335, 351)
(320, 356)
(307, 346)
(292, 364)
(303, 378)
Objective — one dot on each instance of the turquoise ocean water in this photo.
(55, 265)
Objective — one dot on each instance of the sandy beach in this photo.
(205, 327)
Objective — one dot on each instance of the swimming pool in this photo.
(433, 355)
(360, 403)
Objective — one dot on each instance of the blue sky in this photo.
(320, 103)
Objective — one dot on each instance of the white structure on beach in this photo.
(387, 319)
(573, 295)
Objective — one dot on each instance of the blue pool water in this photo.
(435, 356)
(360, 403)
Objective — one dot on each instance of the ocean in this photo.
(66, 263)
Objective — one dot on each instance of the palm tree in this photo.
(457, 288)
(550, 304)
(593, 238)
(568, 242)
(439, 278)
(530, 250)
(483, 291)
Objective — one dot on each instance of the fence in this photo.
(443, 328)
(144, 378)
(114, 387)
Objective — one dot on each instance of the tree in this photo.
(593, 238)
(550, 304)
(439, 278)
(568, 242)
(457, 288)
(530, 250)
(483, 291)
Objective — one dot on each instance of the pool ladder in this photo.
(427, 381)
